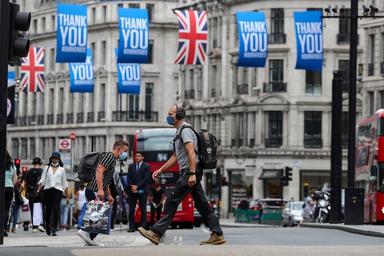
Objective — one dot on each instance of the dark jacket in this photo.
(141, 178)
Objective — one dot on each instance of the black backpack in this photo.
(207, 144)
(88, 166)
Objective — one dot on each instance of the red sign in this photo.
(72, 136)
(64, 144)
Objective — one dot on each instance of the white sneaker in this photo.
(41, 228)
(85, 236)
(34, 230)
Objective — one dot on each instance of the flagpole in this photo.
(4, 21)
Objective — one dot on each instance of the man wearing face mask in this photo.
(186, 148)
(99, 184)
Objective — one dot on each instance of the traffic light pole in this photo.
(336, 150)
(352, 93)
(4, 27)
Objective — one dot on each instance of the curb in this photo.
(344, 228)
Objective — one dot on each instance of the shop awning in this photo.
(271, 174)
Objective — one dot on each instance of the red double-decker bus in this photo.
(369, 167)
(157, 147)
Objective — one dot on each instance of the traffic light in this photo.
(283, 181)
(17, 164)
(18, 43)
(288, 173)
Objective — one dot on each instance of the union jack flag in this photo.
(32, 70)
(193, 37)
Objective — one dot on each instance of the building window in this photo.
(344, 28)
(53, 22)
(35, 26)
(24, 147)
(150, 9)
(312, 129)
(150, 51)
(149, 97)
(276, 77)
(61, 100)
(102, 98)
(277, 35)
(93, 15)
(371, 102)
(93, 48)
(133, 104)
(312, 83)
(344, 68)
(103, 52)
(275, 129)
(104, 13)
(32, 146)
(371, 55)
(93, 143)
(134, 5)
(43, 24)
(52, 59)
(381, 95)
(15, 148)
(51, 100)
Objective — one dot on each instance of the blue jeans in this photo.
(15, 213)
(64, 210)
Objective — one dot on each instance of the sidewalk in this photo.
(368, 230)
(230, 223)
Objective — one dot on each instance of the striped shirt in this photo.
(108, 161)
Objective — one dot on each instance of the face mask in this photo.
(123, 156)
(55, 164)
(170, 120)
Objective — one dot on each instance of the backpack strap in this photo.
(181, 138)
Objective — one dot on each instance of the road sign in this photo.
(64, 144)
(72, 136)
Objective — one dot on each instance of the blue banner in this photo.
(309, 40)
(81, 75)
(11, 97)
(129, 78)
(253, 39)
(133, 36)
(11, 78)
(72, 33)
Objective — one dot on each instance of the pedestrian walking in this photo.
(30, 184)
(80, 200)
(186, 148)
(139, 176)
(100, 181)
(64, 211)
(10, 181)
(54, 182)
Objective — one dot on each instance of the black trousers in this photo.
(52, 207)
(175, 198)
(7, 204)
(157, 211)
(133, 198)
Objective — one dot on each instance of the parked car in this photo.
(292, 213)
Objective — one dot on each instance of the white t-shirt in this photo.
(56, 180)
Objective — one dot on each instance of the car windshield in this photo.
(297, 206)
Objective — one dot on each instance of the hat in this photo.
(36, 160)
(55, 155)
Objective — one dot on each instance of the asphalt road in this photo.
(241, 241)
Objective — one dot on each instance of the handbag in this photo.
(40, 196)
(97, 217)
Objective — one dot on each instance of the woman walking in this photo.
(10, 181)
(55, 185)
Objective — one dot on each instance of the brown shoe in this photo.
(13, 230)
(214, 240)
(150, 235)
